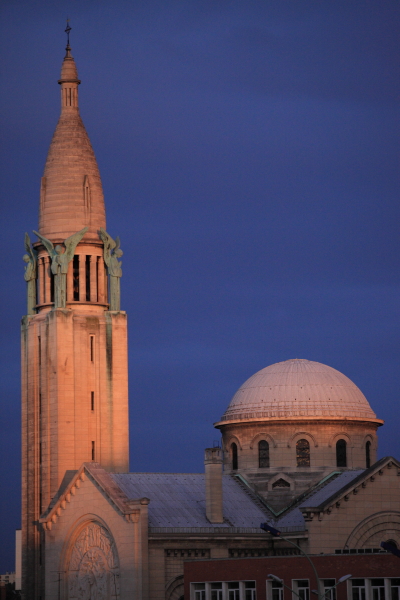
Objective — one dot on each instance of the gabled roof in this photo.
(324, 497)
(333, 493)
(177, 500)
(103, 480)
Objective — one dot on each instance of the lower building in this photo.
(128, 535)
(372, 577)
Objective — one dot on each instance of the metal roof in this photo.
(178, 500)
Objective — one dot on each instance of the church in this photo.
(299, 439)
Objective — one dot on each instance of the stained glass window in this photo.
(263, 454)
(341, 458)
(303, 453)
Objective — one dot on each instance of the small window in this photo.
(341, 458)
(234, 456)
(302, 587)
(199, 591)
(93, 451)
(216, 591)
(91, 342)
(368, 454)
(303, 453)
(378, 589)
(92, 400)
(233, 590)
(87, 277)
(329, 589)
(263, 454)
(395, 588)
(75, 275)
(358, 589)
(276, 590)
(250, 590)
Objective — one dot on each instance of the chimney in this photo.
(213, 471)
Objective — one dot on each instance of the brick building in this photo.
(373, 576)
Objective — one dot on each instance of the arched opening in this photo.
(263, 454)
(341, 454)
(175, 588)
(303, 453)
(234, 453)
(368, 454)
(92, 566)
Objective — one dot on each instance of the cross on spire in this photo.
(67, 30)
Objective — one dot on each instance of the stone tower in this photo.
(74, 337)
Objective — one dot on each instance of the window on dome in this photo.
(368, 454)
(341, 458)
(303, 453)
(263, 454)
(234, 457)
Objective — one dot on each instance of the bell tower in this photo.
(74, 336)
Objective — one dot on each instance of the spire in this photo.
(71, 195)
(69, 78)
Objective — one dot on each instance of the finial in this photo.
(67, 30)
(68, 47)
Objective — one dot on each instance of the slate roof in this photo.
(178, 500)
(319, 495)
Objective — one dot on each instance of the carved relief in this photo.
(93, 568)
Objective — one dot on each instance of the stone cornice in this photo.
(294, 419)
(217, 532)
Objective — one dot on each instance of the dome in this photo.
(298, 389)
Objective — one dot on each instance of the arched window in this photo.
(341, 458)
(263, 454)
(234, 456)
(368, 454)
(303, 453)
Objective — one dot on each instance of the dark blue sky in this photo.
(249, 158)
